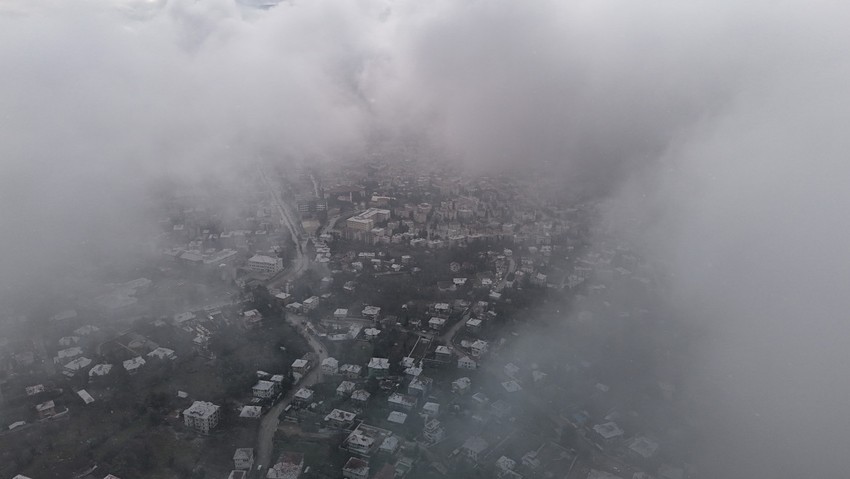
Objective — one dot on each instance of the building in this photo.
(252, 319)
(402, 401)
(330, 366)
(379, 367)
(608, 432)
(466, 363)
(133, 365)
(46, 409)
(365, 439)
(437, 323)
(361, 397)
(236, 474)
(76, 366)
(433, 431)
(340, 419)
(355, 468)
(162, 353)
(303, 396)
(300, 367)
(443, 353)
(431, 409)
(288, 466)
(340, 313)
(100, 370)
(243, 458)
(473, 448)
(371, 312)
(345, 389)
(264, 390)
(397, 417)
(461, 385)
(420, 386)
(478, 348)
(202, 416)
(350, 371)
(310, 303)
(265, 264)
(473, 325)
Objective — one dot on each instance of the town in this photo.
(373, 319)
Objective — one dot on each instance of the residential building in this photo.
(340, 419)
(243, 458)
(431, 409)
(350, 371)
(345, 389)
(433, 431)
(162, 353)
(466, 363)
(330, 366)
(473, 448)
(478, 348)
(100, 370)
(397, 417)
(202, 416)
(379, 367)
(402, 401)
(76, 366)
(288, 466)
(443, 353)
(355, 468)
(461, 385)
(608, 431)
(46, 409)
(340, 313)
(365, 439)
(133, 365)
(420, 386)
(303, 396)
(264, 389)
(361, 397)
(437, 323)
(265, 264)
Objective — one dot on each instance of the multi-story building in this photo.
(202, 416)
(265, 264)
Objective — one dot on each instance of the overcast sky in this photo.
(719, 126)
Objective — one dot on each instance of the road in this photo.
(288, 220)
(270, 422)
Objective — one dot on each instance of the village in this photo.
(372, 320)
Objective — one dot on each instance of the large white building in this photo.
(202, 416)
(265, 264)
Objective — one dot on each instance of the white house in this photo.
(202, 416)
(461, 385)
(265, 264)
(264, 389)
(466, 363)
(243, 458)
(478, 348)
(474, 447)
(132, 365)
(330, 366)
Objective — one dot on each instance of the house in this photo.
(420, 386)
(500, 409)
(76, 366)
(350, 371)
(33, 390)
(431, 409)
(478, 348)
(236, 474)
(360, 396)
(608, 432)
(46, 409)
(303, 396)
(355, 468)
(474, 447)
(504, 466)
(330, 366)
(243, 458)
(340, 313)
(67, 354)
(162, 353)
(300, 367)
(371, 333)
(252, 319)
(466, 363)
(69, 341)
(86, 330)
(295, 307)
(264, 389)
(371, 312)
(202, 416)
(436, 323)
(265, 264)
(397, 417)
(473, 325)
(310, 303)
(511, 370)
(379, 367)
(364, 439)
(345, 389)
(443, 353)
(340, 419)
(441, 309)
(401, 401)
(461, 385)
(288, 466)
(251, 412)
(433, 431)
(132, 365)
(643, 446)
(100, 370)
(389, 446)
